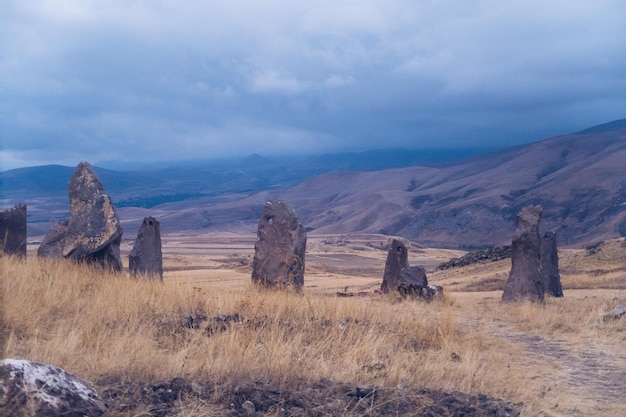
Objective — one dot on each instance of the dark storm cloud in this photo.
(148, 81)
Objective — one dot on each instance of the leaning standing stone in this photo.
(550, 265)
(525, 279)
(280, 247)
(13, 231)
(146, 257)
(93, 230)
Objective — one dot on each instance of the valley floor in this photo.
(561, 358)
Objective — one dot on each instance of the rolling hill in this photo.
(579, 179)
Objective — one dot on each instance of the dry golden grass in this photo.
(559, 358)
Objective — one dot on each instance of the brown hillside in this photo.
(580, 180)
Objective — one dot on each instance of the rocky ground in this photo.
(323, 398)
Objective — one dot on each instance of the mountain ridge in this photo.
(579, 179)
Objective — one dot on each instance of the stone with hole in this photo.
(146, 257)
(279, 249)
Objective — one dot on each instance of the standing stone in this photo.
(280, 247)
(525, 279)
(13, 230)
(146, 257)
(52, 244)
(397, 259)
(550, 265)
(93, 232)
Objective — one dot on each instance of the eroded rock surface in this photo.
(397, 260)
(30, 389)
(280, 248)
(52, 244)
(93, 232)
(525, 279)
(146, 257)
(409, 281)
(13, 230)
(550, 265)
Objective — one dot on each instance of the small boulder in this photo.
(30, 389)
(618, 312)
(146, 257)
(13, 231)
(412, 280)
(525, 279)
(550, 265)
(280, 247)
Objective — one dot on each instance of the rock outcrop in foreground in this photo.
(525, 279)
(30, 389)
(146, 257)
(13, 231)
(93, 232)
(279, 248)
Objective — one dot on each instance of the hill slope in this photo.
(580, 179)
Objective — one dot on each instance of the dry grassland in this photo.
(559, 359)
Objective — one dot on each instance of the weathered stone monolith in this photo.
(550, 265)
(93, 230)
(30, 389)
(52, 244)
(397, 259)
(13, 231)
(280, 247)
(146, 257)
(525, 279)
(408, 281)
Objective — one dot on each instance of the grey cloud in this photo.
(123, 80)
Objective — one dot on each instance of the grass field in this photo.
(559, 358)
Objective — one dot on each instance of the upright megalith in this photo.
(13, 231)
(397, 259)
(525, 279)
(406, 280)
(279, 248)
(550, 265)
(93, 232)
(146, 257)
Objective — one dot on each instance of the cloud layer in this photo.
(165, 80)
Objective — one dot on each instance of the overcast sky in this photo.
(188, 79)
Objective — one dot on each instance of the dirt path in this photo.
(574, 376)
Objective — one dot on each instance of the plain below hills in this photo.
(579, 179)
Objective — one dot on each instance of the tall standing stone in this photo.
(13, 231)
(550, 265)
(280, 247)
(93, 230)
(397, 260)
(146, 257)
(525, 279)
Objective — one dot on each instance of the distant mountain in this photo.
(580, 179)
